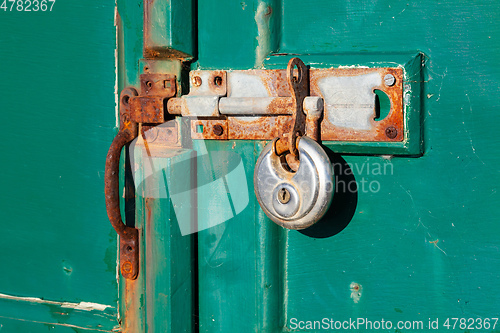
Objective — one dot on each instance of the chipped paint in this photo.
(262, 17)
(85, 306)
(356, 291)
(352, 66)
(52, 325)
(117, 23)
(166, 29)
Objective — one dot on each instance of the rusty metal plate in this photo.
(162, 85)
(211, 83)
(209, 129)
(258, 128)
(147, 109)
(258, 83)
(241, 128)
(347, 84)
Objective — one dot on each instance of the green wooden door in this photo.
(57, 248)
(414, 241)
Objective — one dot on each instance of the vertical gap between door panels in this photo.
(196, 279)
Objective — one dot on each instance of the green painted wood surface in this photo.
(170, 28)
(169, 290)
(240, 262)
(425, 244)
(419, 237)
(57, 102)
(12, 325)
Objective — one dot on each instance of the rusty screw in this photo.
(283, 196)
(196, 81)
(389, 80)
(218, 81)
(391, 132)
(218, 130)
(127, 267)
(125, 100)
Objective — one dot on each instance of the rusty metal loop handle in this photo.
(111, 189)
(129, 236)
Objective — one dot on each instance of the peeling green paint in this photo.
(262, 17)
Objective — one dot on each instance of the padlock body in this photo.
(295, 200)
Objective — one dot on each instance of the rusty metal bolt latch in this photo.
(311, 105)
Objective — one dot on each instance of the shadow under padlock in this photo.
(205, 187)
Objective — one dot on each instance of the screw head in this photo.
(389, 80)
(125, 100)
(196, 81)
(283, 196)
(218, 81)
(391, 132)
(218, 130)
(127, 267)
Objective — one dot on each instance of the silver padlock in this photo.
(294, 200)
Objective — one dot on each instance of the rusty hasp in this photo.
(162, 85)
(298, 78)
(333, 104)
(129, 236)
(149, 106)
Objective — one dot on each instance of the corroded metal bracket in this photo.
(148, 107)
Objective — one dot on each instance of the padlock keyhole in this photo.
(283, 196)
